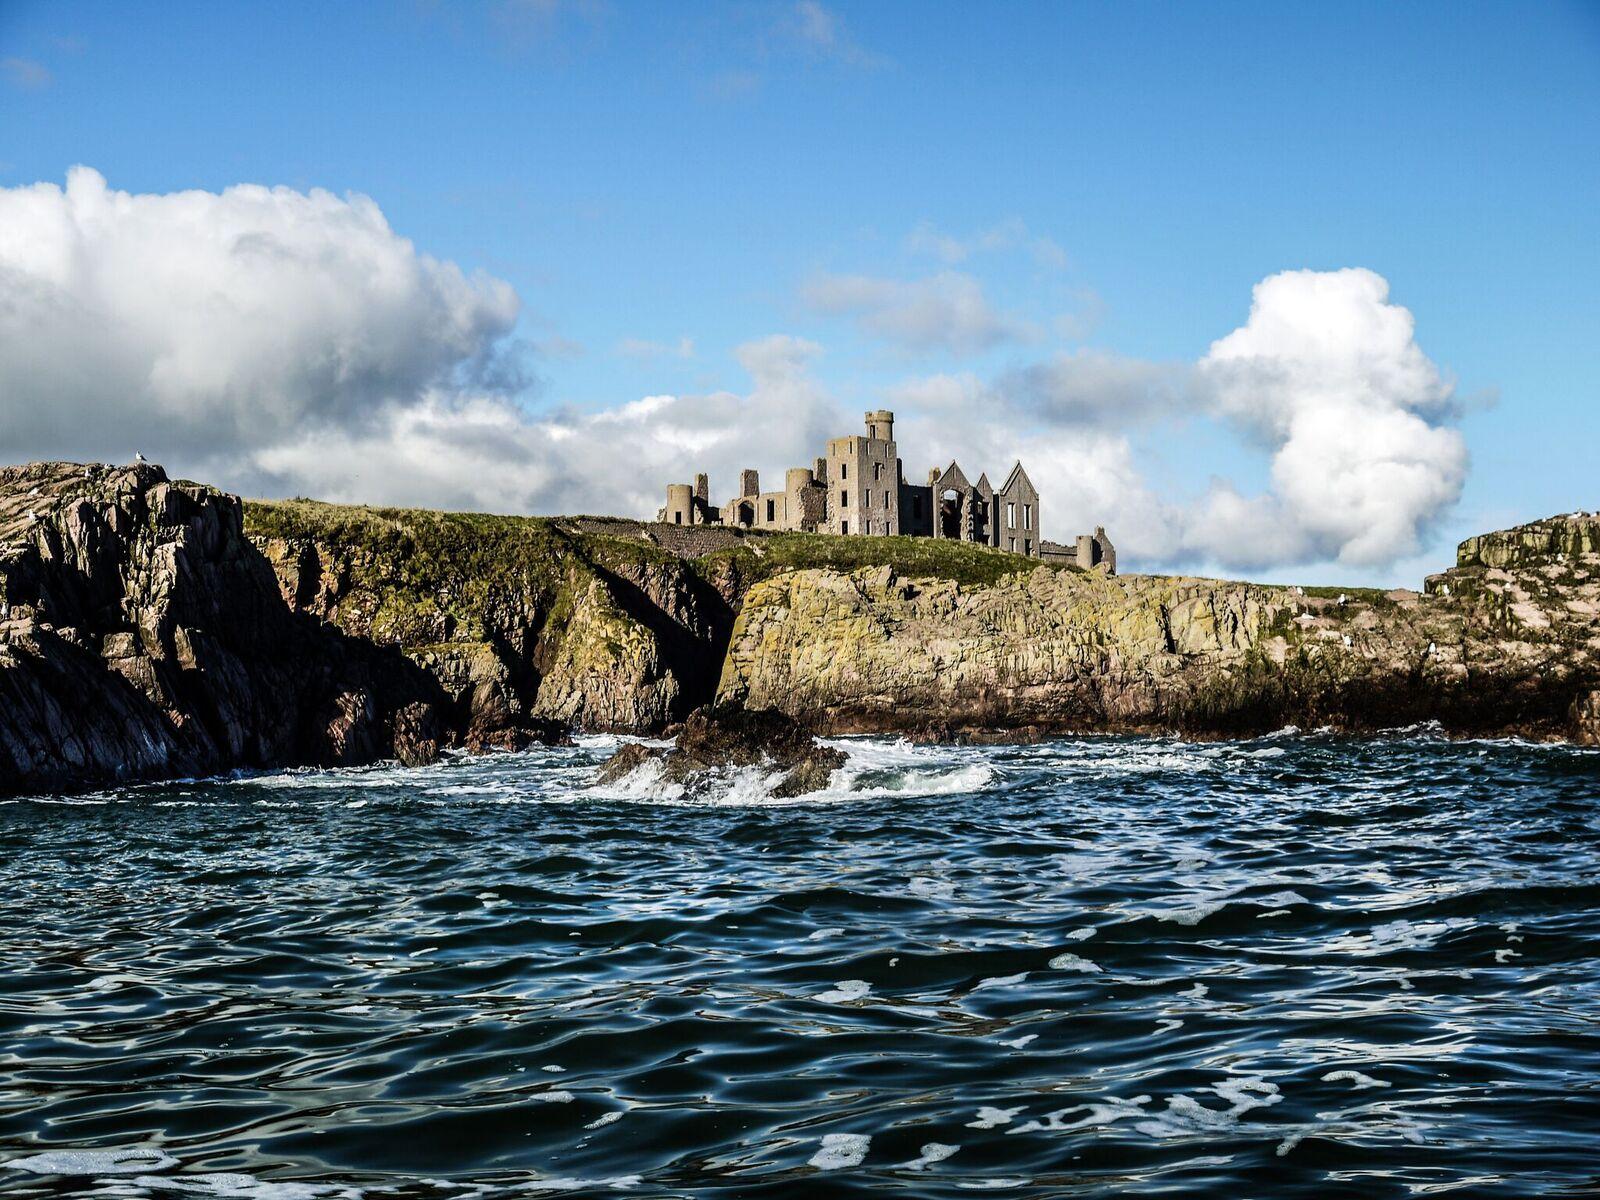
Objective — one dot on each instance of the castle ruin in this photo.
(859, 487)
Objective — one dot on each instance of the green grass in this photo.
(909, 557)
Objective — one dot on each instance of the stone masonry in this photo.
(859, 487)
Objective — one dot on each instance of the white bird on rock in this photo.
(139, 458)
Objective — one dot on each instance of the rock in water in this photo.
(712, 740)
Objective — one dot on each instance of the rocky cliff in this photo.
(142, 636)
(520, 620)
(151, 628)
(1506, 642)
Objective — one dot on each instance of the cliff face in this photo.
(1506, 642)
(142, 636)
(520, 620)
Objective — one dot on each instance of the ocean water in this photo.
(1296, 966)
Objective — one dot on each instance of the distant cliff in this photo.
(1508, 641)
(151, 629)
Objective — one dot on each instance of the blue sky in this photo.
(1111, 179)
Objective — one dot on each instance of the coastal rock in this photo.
(714, 740)
(142, 636)
(1508, 642)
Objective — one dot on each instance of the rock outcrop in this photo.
(1506, 642)
(142, 636)
(522, 621)
(715, 740)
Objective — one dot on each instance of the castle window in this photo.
(844, 499)
(1011, 520)
(877, 470)
(1027, 546)
(772, 510)
(866, 501)
(844, 470)
(844, 526)
(1013, 546)
(1027, 517)
(886, 500)
(677, 518)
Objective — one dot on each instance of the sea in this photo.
(1298, 966)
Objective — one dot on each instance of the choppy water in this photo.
(1289, 967)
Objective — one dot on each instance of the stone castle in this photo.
(859, 487)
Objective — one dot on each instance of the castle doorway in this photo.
(746, 515)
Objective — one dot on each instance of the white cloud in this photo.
(459, 451)
(1325, 375)
(947, 311)
(205, 324)
(1328, 373)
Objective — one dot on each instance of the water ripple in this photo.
(1302, 965)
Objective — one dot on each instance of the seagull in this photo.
(1342, 598)
(1433, 649)
(139, 458)
(1347, 639)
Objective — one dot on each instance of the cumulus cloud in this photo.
(208, 323)
(1329, 374)
(1325, 376)
(947, 311)
(459, 451)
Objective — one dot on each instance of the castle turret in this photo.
(749, 483)
(880, 424)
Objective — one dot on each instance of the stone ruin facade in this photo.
(859, 487)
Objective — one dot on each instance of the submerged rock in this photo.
(713, 740)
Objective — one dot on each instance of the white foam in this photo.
(932, 1153)
(232, 1186)
(841, 1150)
(999, 981)
(1019, 1043)
(1359, 1081)
(1072, 962)
(604, 1119)
(1082, 935)
(619, 1182)
(993, 1118)
(130, 1161)
(554, 1068)
(553, 1097)
(818, 935)
(845, 991)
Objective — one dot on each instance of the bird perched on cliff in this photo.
(139, 458)
(1347, 639)
(1342, 599)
